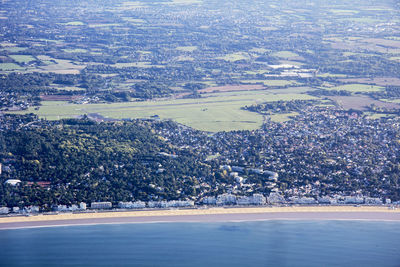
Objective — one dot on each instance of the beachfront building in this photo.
(101, 205)
(324, 200)
(303, 200)
(255, 199)
(209, 201)
(4, 210)
(171, 204)
(31, 209)
(82, 206)
(353, 200)
(275, 198)
(132, 205)
(65, 208)
(373, 201)
(258, 199)
(226, 199)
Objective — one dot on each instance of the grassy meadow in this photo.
(212, 112)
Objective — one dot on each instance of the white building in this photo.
(4, 210)
(31, 209)
(13, 182)
(60, 208)
(101, 205)
(275, 198)
(258, 199)
(82, 206)
(226, 199)
(125, 205)
(324, 200)
(373, 201)
(303, 200)
(353, 200)
(209, 201)
(139, 205)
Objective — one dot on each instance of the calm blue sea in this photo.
(268, 243)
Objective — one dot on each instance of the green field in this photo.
(397, 101)
(213, 112)
(74, 23)
(77, 50)
(22, 58)
(285, 54)
(10, 66)
(282, 117)
(13, 49)
(259, 50)
(235, 57)
(356, 88)
(271, 82)
(186, 48)
(136, 64)
(323, 75)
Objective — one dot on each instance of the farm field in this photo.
(361, 102)
(355, 88)
(22, 58)
(9, 66)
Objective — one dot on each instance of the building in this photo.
(125, 205)
(353, 200)
(132, 205)
(373, 201)
(4, 210)
(276, 198)
(31, 209)
(226, 199)
(13, 182)
(258, 199)
(209, 201)
(303, 200)
(101, 205)
(82, 206)
(324, 200)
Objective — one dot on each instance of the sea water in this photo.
(266, 243)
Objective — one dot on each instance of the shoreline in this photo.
(303, 213)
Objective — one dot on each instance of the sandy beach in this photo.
(369, 213)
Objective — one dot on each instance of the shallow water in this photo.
(266, 243)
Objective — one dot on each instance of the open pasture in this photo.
(271, 82)
(214, 112)
(22, 58)
(228, 88)
(9, 66)
(361, 102)
(382, 81)
(356, 88)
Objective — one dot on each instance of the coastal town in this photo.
(323, 156)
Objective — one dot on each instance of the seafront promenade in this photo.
(372, 213)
